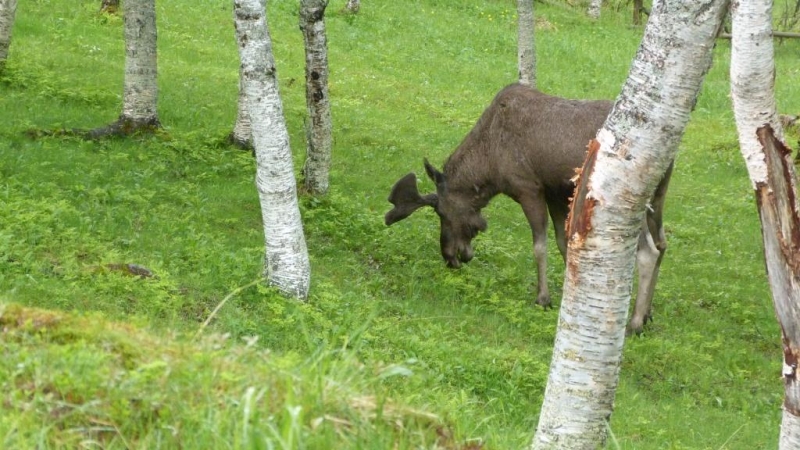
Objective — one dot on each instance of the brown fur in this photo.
(526, 145)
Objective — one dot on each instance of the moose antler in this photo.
(406, 199)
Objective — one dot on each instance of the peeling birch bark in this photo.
(628, 159)
(8, 9)
(769, 164)
(287, 263)
(780, 228)
(316, 171)
(526, 44)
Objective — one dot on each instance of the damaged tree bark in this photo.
(769, 164)
(780, 228)
(626, 162)
(318, 133)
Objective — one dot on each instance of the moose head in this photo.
(459, 218)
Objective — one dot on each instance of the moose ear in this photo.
(406, 199)
(433, 174)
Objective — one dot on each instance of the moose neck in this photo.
(468, 173)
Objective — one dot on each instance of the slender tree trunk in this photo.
(352, 6)
(625, 163)
(526, 43)
(316, 172)
(241, 136)
(140, 85)
(774, 179)
(8, 8)
(594, 8)
(287, 264)
(140, 92)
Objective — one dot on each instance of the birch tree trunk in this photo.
(625, 163)
(594, 8)
(241, 136)
(526, 43)
(317, 167)
(353, 6)
(140, 90)
(140, 85)
(8, 9)
(287, 265)
(772, 173)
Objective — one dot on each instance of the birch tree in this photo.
(526, 44)
(140, 85)
(316, 171)
(287, 264)
(625, 163)
(8, 9)
(769, 164)
(352, 6)
(241, 136)
(594, 8)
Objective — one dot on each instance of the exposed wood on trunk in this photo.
(780, 227)
(769, 165)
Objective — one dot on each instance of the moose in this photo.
(526, 145)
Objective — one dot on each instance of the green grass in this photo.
(392, 348)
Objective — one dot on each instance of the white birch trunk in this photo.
(287, 264)
(8, 8)
(242, 135)
(774, 179)
(316, 171)
(526, 43)
(353, 6)
(625, 163)
(140, 91)
(594, 8)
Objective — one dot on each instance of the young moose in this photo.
(526, 145)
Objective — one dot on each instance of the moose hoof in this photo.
(544, 301)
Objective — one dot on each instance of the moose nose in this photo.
(466, 254)
(453, 263)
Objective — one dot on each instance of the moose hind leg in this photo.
(535, 210)
(648, 259)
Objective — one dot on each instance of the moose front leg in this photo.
(535, 210)
(649, 253)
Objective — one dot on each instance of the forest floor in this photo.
(392, 350)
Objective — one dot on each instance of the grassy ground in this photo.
(392, 348)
